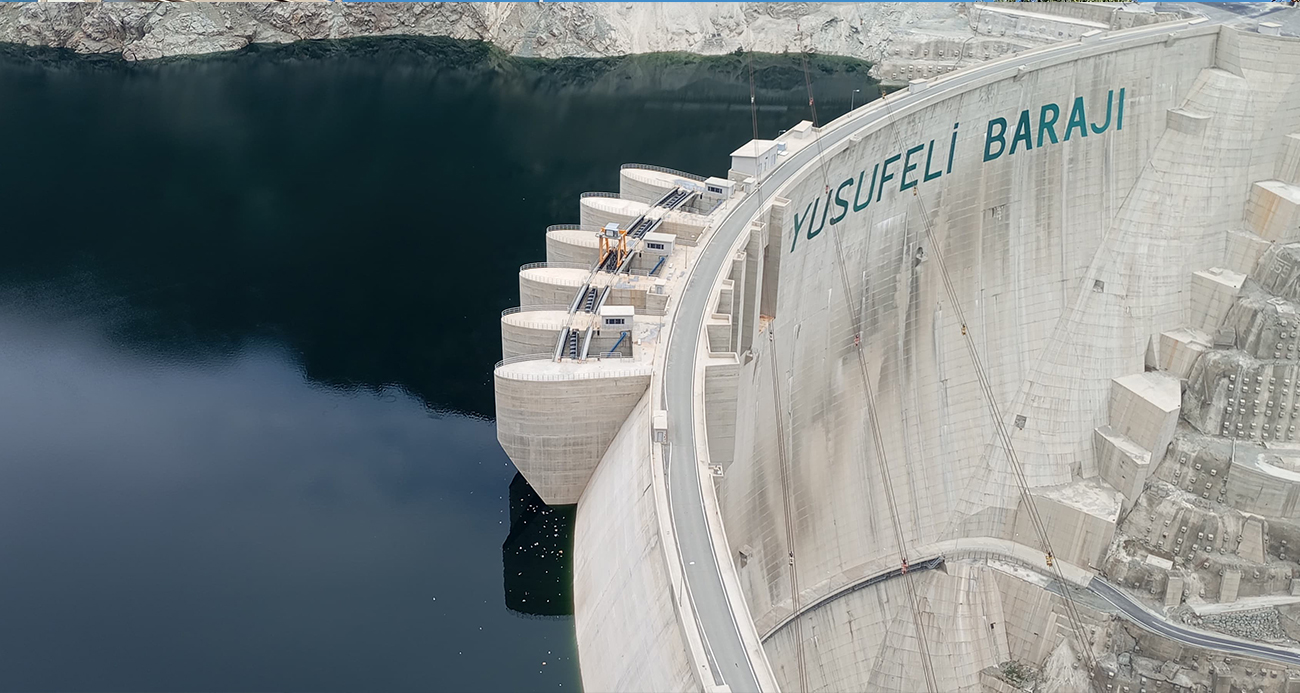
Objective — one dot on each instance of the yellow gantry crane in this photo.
(613, 240)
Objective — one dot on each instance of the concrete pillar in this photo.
(1273, 210)
(1252, 541)
(1213, 293)
(1173, 592)
(1122, 463)
(778, 218)
(1144, 408)
(721, 379)
(753, 280)
(1243, 250)
(1179, 350)
(1288, 165)
(1228, 587)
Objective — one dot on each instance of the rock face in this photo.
(143, 31)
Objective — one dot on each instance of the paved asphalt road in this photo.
(1135, 613)
(716, 619)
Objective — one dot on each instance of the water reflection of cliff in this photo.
(537, 557)
(328, 197)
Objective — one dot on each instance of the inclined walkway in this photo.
(573, 343)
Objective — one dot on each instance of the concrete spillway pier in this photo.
(1070, 250)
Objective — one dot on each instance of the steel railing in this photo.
(664, 169)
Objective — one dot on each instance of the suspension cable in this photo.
(786, 502)
(786, 491)
(1004, 436)
(927, 666)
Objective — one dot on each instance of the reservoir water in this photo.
(248, 316)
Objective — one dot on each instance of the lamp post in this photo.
(853, 98)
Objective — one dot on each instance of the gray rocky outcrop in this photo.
(142, 31)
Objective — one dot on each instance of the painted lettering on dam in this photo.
(1034, 128)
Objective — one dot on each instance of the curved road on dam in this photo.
(720, 631)
(1134, 612)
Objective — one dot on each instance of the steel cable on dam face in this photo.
(927, 666)
(986, 389)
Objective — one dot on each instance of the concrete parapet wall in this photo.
(596, 212)
(531, 332)
(644, 185)
(555, 420)
(686, 226)
(578, 246)
(550, 286)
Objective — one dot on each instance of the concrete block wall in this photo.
(754, 252)
(1228, 588)
(1123, 463)
(1243, 250)
(718, 330)
(550, 286)
(1079, 518)
(1179, 350)
(1028, 626)
(1288, 165)
(686, 226)
(993, 20)
(721, 379)
(531, 331)
(555, 420)
(1273, 211)
(644, 185)
(1144, 408)
(596, 212)
(576, 246)
(1213, 293)
(1267, 63)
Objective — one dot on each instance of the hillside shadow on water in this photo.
(363, 203)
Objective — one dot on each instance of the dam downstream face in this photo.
(248, 315)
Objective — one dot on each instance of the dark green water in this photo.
(248, 315)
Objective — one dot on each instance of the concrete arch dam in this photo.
(787, 386)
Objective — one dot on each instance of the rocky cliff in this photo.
(143, 31)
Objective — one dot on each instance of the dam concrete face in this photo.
(1069, 224)
(1062, 254)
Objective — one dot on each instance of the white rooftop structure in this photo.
(757, 157)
